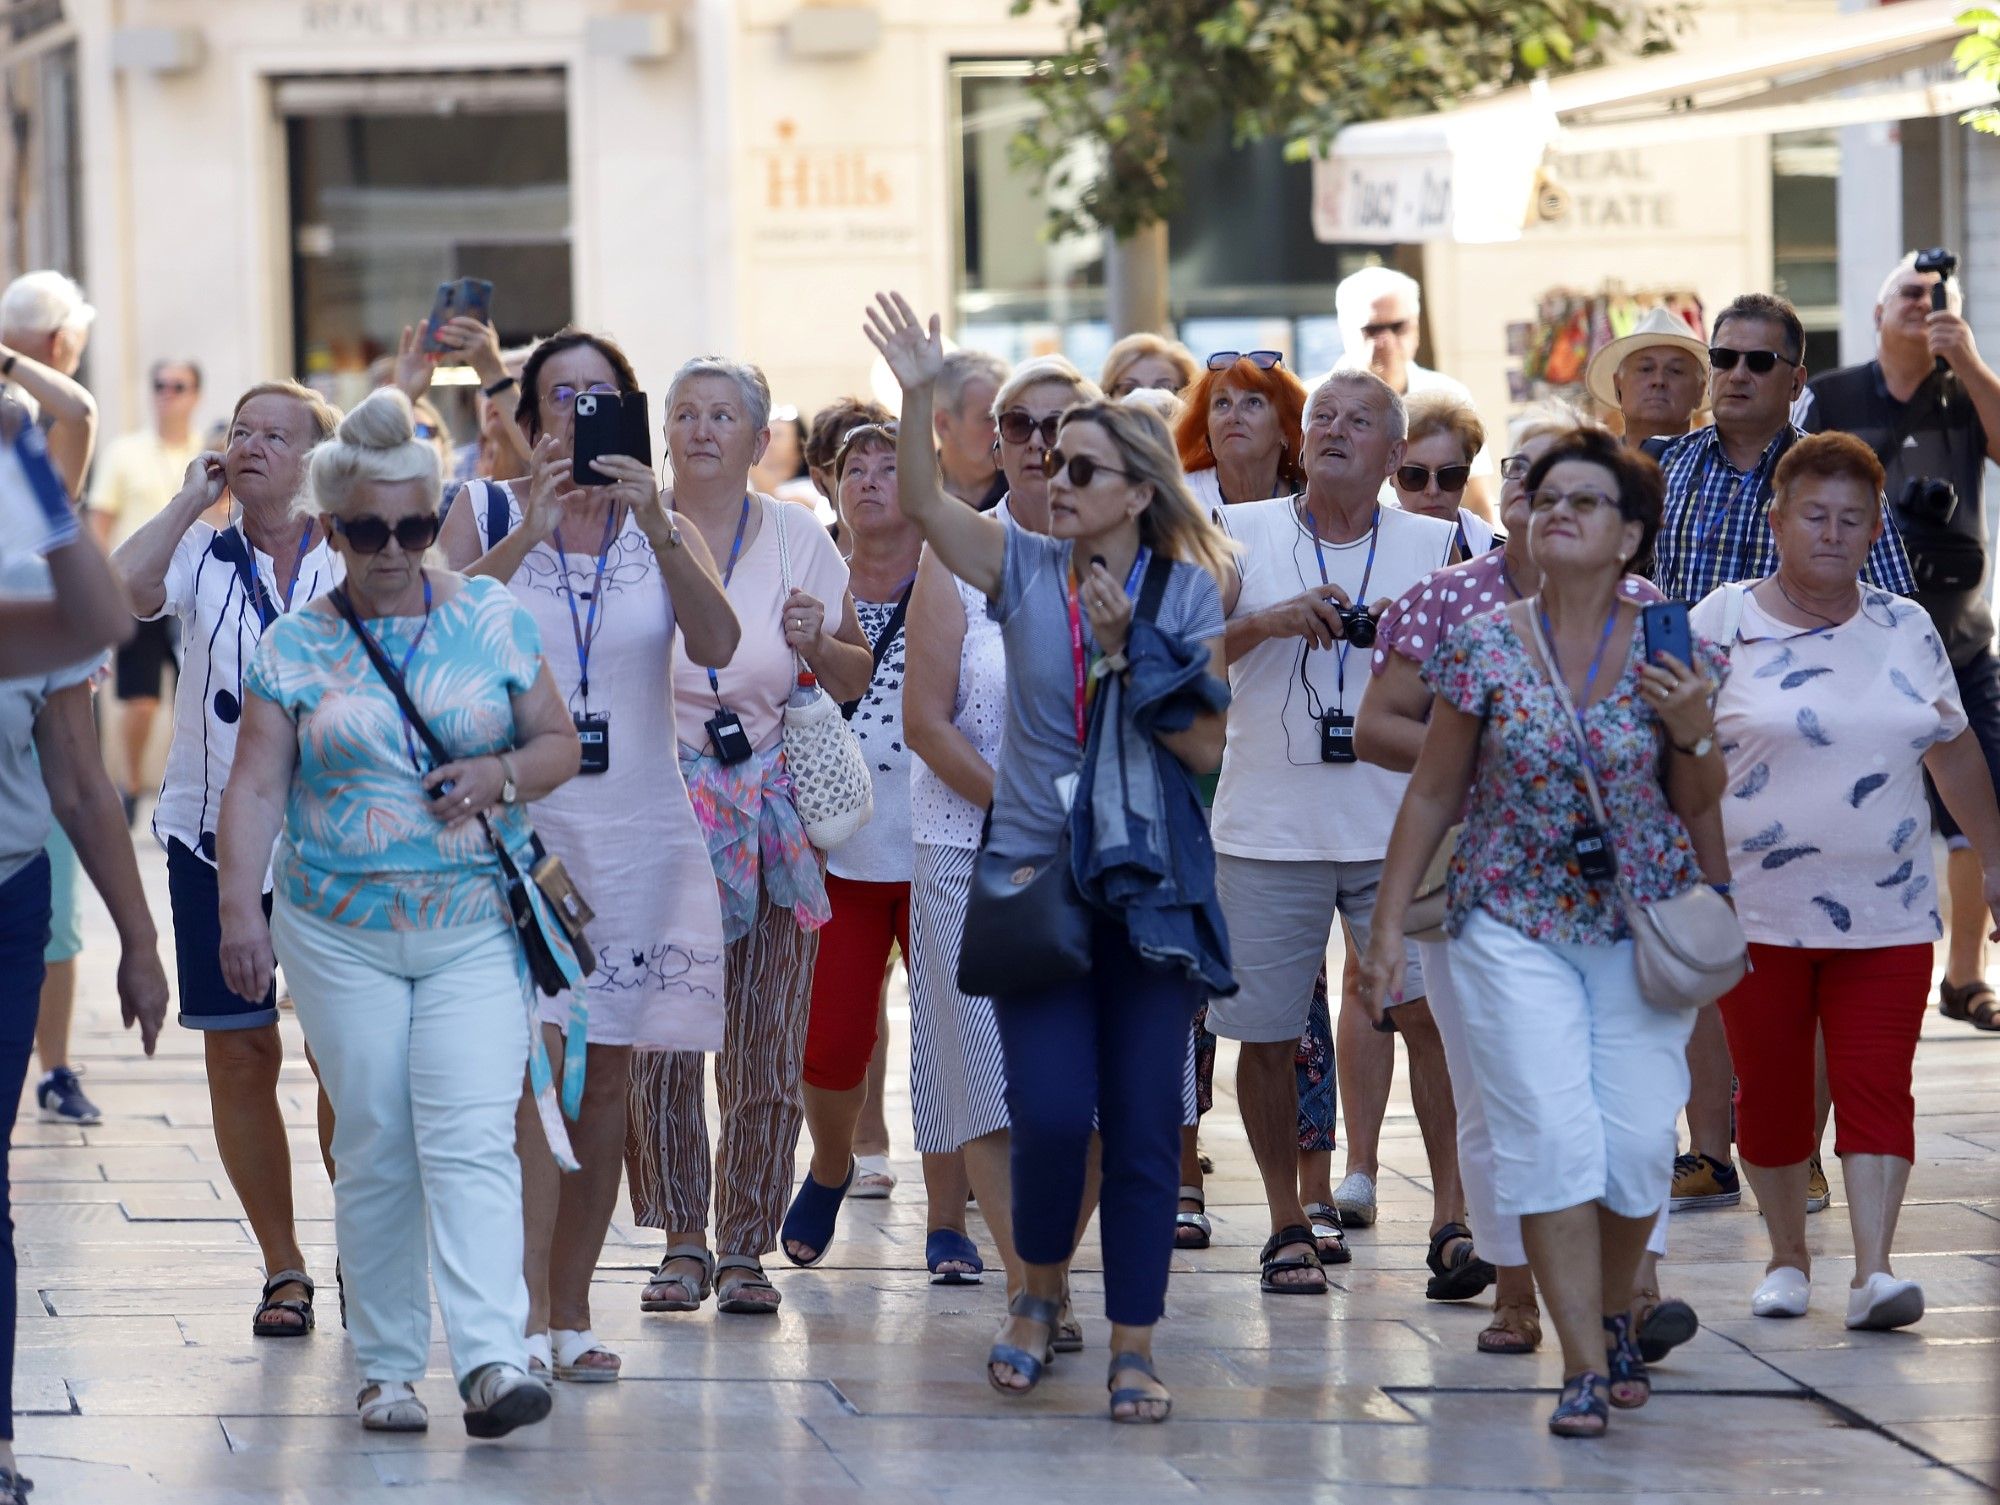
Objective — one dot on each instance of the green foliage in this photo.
(1138, 77)
(1978, 56)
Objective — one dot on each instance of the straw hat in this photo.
(1660, 326)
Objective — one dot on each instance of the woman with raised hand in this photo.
(1445, 437)
(1839, 700)
(789, 589)
(612, 580)
(1581, 1078)
(1123, 526)
(391, 916)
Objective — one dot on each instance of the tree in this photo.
(1978, 56)
(1137, 77)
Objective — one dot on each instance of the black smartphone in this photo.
(466, 297)
(609, 423)
(1667, 631)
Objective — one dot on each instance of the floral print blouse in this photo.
(1515, 858)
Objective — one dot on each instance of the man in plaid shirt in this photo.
(1715, 528)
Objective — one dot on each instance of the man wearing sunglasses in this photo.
(1934, 431)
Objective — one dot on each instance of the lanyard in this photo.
(1361, 600)
(729, 569)
(1507, 576)
(1589, 678)
(253, 587)
(403, 673)
(1078, 659)
(585, 632)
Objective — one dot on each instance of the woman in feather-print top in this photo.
(1839, 701)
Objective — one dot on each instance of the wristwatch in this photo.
(509, 795)
(1701, 749)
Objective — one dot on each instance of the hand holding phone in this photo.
(608, 423)
(1667, 632)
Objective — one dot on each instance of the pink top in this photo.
(1458, 593)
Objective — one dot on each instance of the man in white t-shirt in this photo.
(1301, 827)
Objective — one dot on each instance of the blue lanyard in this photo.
(1590, 676)
(728, 570)
(403, 672)
(1706, 531)
(1367, 572)
(585, 632)
(253, 586)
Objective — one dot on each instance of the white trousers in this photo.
(1580, 1081)
(422, 1042)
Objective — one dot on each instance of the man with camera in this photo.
(1930, 409)
(1300, 826)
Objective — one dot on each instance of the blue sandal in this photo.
(1132, 1395)
(1029, 1366)
(1583, 1410)
(1631, 1386)
(813, 1216)
(949, 1246)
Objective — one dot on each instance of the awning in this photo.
(1469, 174)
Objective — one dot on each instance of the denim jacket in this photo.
(1139, 843)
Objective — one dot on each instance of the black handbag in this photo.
(1027, 926)
(546, 872)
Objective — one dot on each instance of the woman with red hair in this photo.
(1239, 436)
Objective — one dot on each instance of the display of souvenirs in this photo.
(1570, 325)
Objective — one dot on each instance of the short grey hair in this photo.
(44, 303)
(1384, 394)
(961, 369)
(756, 390)
(1355, 298)
(1954, 295)
(1044, 368)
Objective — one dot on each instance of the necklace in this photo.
(1793, 601)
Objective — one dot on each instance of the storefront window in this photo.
(1805, 241)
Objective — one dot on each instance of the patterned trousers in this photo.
(767, 989)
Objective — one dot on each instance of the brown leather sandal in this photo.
(1974, 1003)
(1516, 1328)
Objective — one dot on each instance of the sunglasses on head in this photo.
(1760, 362)
(164, 386)
(370, 535)
(563, 395)
(1081, 468)
(1417, 477)
(1016, 427)
(1263, 360)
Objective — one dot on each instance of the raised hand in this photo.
(915, 352)
(550, 487)
(414, 364)
(475, 342)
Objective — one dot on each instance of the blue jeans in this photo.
(1112, 1047)
(24, 931)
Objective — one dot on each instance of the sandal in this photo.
(1516, 1328)
(571, 1347)
(1132, 1395)
(540, 1355)
(950, 1246)
(813, 1216)
(299, 1306)
(1328, 1240)
(1029, 1366)
(1974, 1003)
(1193, 1230)
(391, 1406)
(1273, 1266)
(1069, 1332)
(1662, 1326)
(696, 1290)
(872, 1179)
(1631, 1387)
(750, 1277)
(1460, 1278)
(500, 1398)
(1582, 1411)
(14, 1487)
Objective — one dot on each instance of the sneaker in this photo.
(1354, 1200)
(1882, 1302)
(1818, 1194)
(1785, 1292)
(1701, 1181)
(62, 1101)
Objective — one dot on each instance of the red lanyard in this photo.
(1078, 658)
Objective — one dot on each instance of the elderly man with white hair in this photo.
(44, 326)
(1929, 407)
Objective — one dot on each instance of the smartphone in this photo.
(1667, 631)
(467, 297)
(609, 423)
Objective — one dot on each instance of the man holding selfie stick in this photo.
(1930, 409)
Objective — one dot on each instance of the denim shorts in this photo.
(195, 893)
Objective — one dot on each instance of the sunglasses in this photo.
(564, 396)
(1376, 331)
(370, 535)
(425, 430)
(1016, 427)
(1263, 360)
(1760, 362)
(1418, 477)
(1582, 503)
(1081, 468)
(176, 387)
(1516, 468)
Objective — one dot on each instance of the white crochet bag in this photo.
(830, 783)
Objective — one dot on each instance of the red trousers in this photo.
(847, 979)
(1869, 1006)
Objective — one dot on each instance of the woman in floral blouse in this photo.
(1581, 1076)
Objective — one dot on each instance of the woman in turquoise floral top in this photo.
(1582, 1078)
(391, 920)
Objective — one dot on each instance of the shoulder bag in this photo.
(551, 879)
(831, 785)
(1687, 950)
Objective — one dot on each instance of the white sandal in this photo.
(572, 1344)
(539, 1358)
(391, 1406)
(873, 1180)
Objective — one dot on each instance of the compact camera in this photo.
(1357, 625)
(1926, 499)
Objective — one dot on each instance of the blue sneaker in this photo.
(62, 1101)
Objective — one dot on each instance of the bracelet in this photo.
(498, 387)
(1721, 888)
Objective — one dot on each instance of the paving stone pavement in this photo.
(138, 1382)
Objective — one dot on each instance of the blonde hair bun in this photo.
(375, 444)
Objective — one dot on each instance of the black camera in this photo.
(1928, 500)
(1357, 625)
(1937, 259)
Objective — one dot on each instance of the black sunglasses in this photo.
(1417, 477)
(175, 387)
(1760, 362)
(1082, 469)
(370, 535)
(1263, 360)
(1016, 427)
